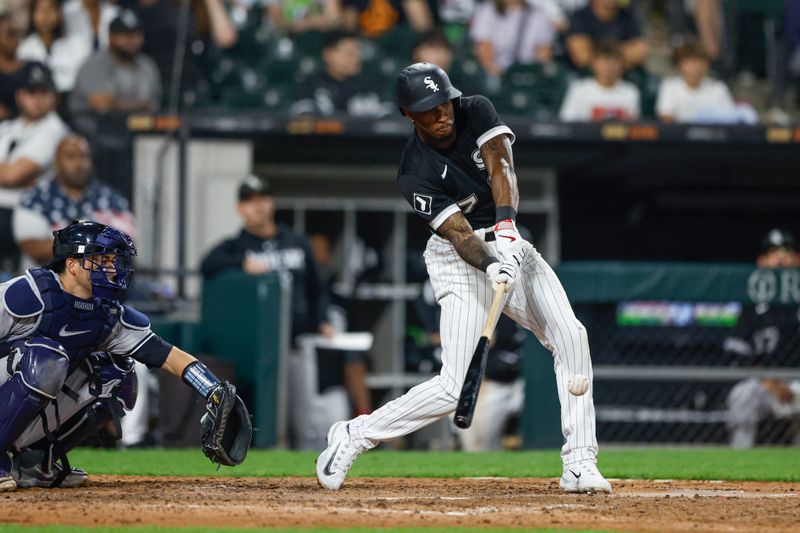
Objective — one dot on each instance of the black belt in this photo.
(489, 236)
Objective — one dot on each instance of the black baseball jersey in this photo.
(437, 183)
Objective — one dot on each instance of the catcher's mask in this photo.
(92, 241)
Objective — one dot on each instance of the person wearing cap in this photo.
(71, 192)
(264, 246)
(27, 146)
(48, 43)
(457, 174)
(118, 80)
(11, 67)
(766, 334)
(341, 87)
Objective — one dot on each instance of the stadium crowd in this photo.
(72, 72)
(85, 65)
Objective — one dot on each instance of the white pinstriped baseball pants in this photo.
(538, 303)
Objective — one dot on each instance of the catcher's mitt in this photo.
(226, 427)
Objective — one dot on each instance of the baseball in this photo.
(578, 384)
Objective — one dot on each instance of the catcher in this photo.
(67, 361)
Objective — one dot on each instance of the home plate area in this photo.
(635, 505)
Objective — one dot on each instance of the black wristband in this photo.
(504, 212)
(488, 261)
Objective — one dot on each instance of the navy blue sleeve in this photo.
(630, 28)
(580, 23)
(153, 351)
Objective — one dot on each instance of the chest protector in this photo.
(79, 325)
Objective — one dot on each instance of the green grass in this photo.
(765, 464)
(137, 529)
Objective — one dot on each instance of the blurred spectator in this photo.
(708, 19)
(605, 19)
(48, 43)
(766, 335)
(433, 47)
(559, 11)
(27, 146)
(297, 16)
(605, 95)
(70, 193)
(11, 71)
(373, 18)
(264, 246)
(88, 21)
(209, 25)
(340, 87)
(693, 96)
(340, 368)
(118, 80)
(505, 32)
(18, 9)
(455, 12)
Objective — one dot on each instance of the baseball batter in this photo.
(68, 367)
(457, 172)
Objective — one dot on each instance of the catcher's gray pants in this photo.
(77, 381)
(537, 302)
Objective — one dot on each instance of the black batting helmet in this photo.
(423, 86)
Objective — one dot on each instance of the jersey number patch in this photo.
(468, 204)
(422, 203)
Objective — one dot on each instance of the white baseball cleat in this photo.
(335, 461)
(583, 476)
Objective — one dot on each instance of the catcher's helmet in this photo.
(423, 86)
(84, 238)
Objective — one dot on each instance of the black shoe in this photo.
(30, 471)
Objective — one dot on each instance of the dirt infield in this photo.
(660, 505)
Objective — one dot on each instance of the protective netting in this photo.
(680, 372)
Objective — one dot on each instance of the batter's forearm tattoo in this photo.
(474, 251)
(469, 246)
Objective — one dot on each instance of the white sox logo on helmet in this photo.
(430, 84)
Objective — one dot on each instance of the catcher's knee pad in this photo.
(43, 366)
(118, 380)
(38, 375)
(128, 390)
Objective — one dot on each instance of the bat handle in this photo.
(494, 310)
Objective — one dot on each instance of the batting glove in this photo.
(502, 273)
(510, 244)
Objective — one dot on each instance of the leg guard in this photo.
(39, 375)
(35, 466)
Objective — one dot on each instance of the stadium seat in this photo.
(275, 98)
(647, 84)
(294, 69)
(468, 75)
(308, 43)
(544, 86)
(398, 43)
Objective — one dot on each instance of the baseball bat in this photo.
(472, 383)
